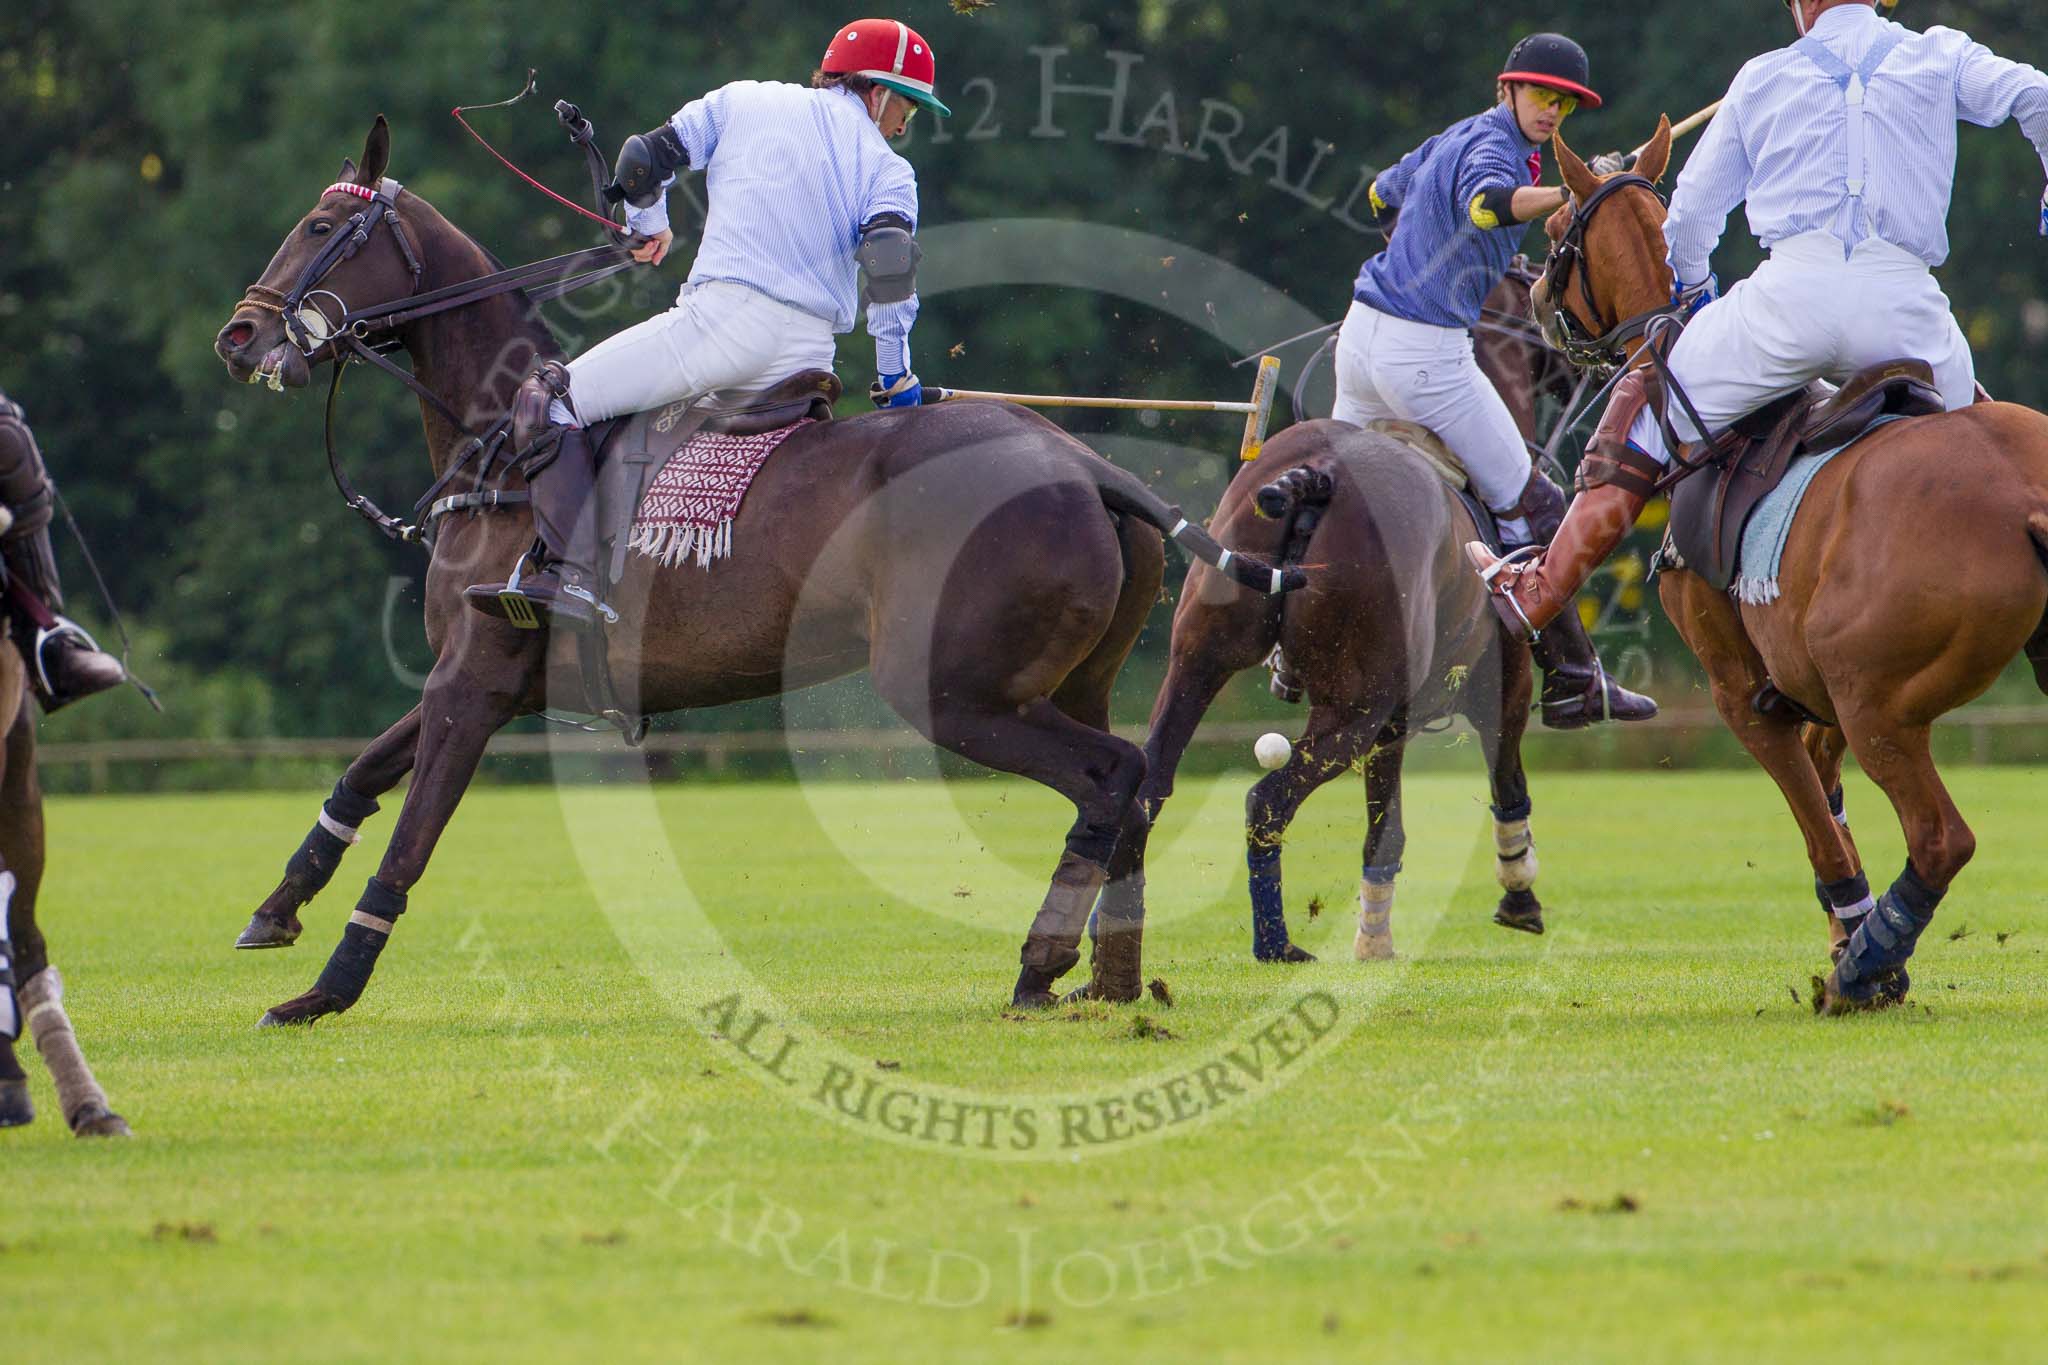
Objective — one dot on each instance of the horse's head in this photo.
(1607, 255)
(329, 263)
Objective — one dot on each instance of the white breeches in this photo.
(1809, 314)
(1389, 367)
(718, 336)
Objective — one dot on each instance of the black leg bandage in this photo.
(320, 853)
(1885, 938)
(347, 972)
(1846, 899)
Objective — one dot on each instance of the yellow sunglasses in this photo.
(1554, 99)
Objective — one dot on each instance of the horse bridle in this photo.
(364, 335)
(1607, 353)
(1608, 350)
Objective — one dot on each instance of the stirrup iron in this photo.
(1514, 558)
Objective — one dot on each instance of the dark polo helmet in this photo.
(1554, 61)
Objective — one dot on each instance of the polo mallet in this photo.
(1678, 130)
(1259, 411)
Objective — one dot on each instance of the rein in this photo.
(361, 335)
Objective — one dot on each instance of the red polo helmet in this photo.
(889, 53)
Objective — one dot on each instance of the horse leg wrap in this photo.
(1054, 944)
(1119, 948)
(347, 972)
(1374, 941)
(1515, 848)
(1885, 937)
(319, 855)
(42, 1004)
(1838, 807)
(1848, 900)
(1269, 906)
(10, 1002)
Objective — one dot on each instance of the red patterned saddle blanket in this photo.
(688, 511)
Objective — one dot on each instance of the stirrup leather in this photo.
(1511, 566)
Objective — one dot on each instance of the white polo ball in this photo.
(1272, 750)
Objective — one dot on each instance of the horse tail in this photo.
(1123, 493)
(1304, 487)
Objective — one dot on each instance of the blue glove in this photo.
(896, 391)
(1690, 298)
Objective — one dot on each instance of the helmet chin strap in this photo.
(1799, 16)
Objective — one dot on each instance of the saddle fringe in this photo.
(671, 546)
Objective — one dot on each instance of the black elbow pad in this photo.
(1494, 208)
(888, 257)
(645, 163)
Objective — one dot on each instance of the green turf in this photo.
(522, 1145)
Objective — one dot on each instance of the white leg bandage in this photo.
(1516, 850)
(1375, 939)
(42, 1001)
(10, 1005)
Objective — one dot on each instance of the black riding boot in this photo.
(1576, 689)
(564, 589)
(64, 664)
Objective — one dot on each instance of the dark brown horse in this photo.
(990, 572)
(1392, 635)
(25, 965)
(1913, 573)
(1382, 645)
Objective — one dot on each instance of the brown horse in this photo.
(1913, 573)
(26, 973)
(1372, 517)
(1392, 635)
(990, 572)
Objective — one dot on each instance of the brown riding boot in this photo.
(1576, 689)
(1529, 589)
(64, 663)
(563, 590)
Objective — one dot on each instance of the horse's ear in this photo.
(1656, 157)
(1577, 177)
(376, 155)
(348, 171)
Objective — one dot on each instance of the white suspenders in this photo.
(1854, 83)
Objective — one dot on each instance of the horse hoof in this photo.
(1372, 947)
(1886, 991)
(1033, 1000)
(266, 932)
(302, 1009)
(1109, 992)
(15, 1108)
(1520, 911)
(96, 1120)
(1290, 953)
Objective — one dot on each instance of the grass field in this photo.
(552, 1129)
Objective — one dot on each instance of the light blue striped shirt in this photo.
(791, 175)
(1784, 139)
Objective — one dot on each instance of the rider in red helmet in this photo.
(811, 214)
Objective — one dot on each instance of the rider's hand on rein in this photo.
(1690, 298)
(653, 250)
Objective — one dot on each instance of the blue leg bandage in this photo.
(1269, 910)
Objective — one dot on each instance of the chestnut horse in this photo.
(989, 571)
(34, 989)
(1913, 574)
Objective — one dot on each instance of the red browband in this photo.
(359, 191)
